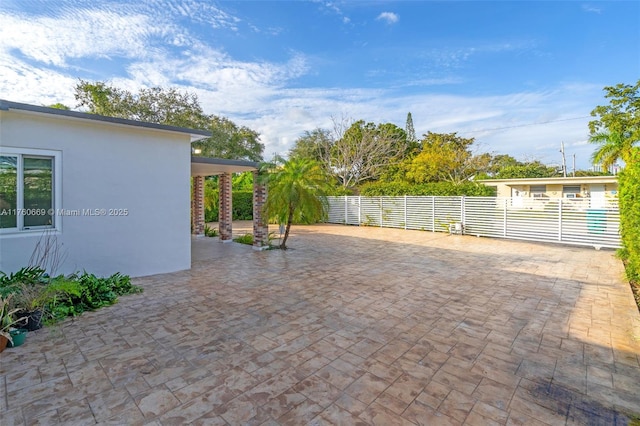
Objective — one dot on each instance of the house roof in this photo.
(552, 180)
(205, 166)
(8, 105)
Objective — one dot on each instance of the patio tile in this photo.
(351, 326)
(156, 401)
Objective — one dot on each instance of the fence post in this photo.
(433, 214)
(560, 219)
(405, 212)
(462, 212)
(359, 209)
(504, 219)
(346, 210)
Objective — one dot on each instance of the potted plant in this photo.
(30, 303)
(6, 321)
(18, 336)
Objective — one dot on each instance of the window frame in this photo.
(56, 199)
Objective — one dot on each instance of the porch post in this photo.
(197, 206)
(260, 224)
(225, 211)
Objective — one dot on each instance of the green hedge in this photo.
(629, 198)
(435, 188)
(242, 205)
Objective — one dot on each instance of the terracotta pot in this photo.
(3, 343)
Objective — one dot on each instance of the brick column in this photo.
(225, 214)
(260, 224)
(197, 206)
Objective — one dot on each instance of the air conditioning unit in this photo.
(570, 195)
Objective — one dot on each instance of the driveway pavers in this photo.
(352, 325)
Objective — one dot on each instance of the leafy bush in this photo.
(244, 239)
(433, 189)
(242, 204)
(210, 232)
(63, 296)
(629, 198)
(30, 275)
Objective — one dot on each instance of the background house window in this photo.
(538, 191)
(26, 191)
(571, 191)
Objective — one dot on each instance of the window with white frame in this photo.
(28, 189)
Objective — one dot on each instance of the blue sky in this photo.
(520, 77)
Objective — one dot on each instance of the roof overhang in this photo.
(205, 166)
(551, 181)
(195, 134)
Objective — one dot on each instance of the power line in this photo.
(526, 125)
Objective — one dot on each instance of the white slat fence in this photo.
(566, 221)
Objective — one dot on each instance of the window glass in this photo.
(38, 191)
(567, 189)
(538, 188)
(8, 191)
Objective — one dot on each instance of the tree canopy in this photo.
(617, 127)
(172, 107)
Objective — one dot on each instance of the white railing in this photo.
(569, 221)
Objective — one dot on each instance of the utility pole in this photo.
(564, 160)
(574, 165)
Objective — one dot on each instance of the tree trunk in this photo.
(283, 246)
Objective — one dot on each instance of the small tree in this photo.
(296, 192)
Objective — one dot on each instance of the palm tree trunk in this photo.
(283, 246)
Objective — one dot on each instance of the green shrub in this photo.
(629, 199)
(30, 275)
(244, 239)
(433, 189)
(210, 232)
(63, 296)
(242, 204)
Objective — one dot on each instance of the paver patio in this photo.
(351, 326)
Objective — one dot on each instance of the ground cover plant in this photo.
(63, 295)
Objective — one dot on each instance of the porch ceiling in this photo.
(205, 166)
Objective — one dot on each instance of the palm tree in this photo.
(614, 145)
(296, 192)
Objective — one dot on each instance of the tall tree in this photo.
(297, 192)
(411, 132)
(617, 128)
(228, 140)
(444, 157)
(362, 150)
(314, 145)
(172, 107)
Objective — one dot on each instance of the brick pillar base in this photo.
(225, 212)
(260, 224)
(197, 206)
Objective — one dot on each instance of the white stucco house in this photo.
(114, 193)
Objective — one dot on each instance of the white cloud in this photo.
(591, 8)
(389, 17)
(255, 93)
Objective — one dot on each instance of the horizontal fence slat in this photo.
(549, 220)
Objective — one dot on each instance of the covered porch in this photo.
(202, 167)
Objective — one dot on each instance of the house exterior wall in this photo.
(555, 190)
(108, 166)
